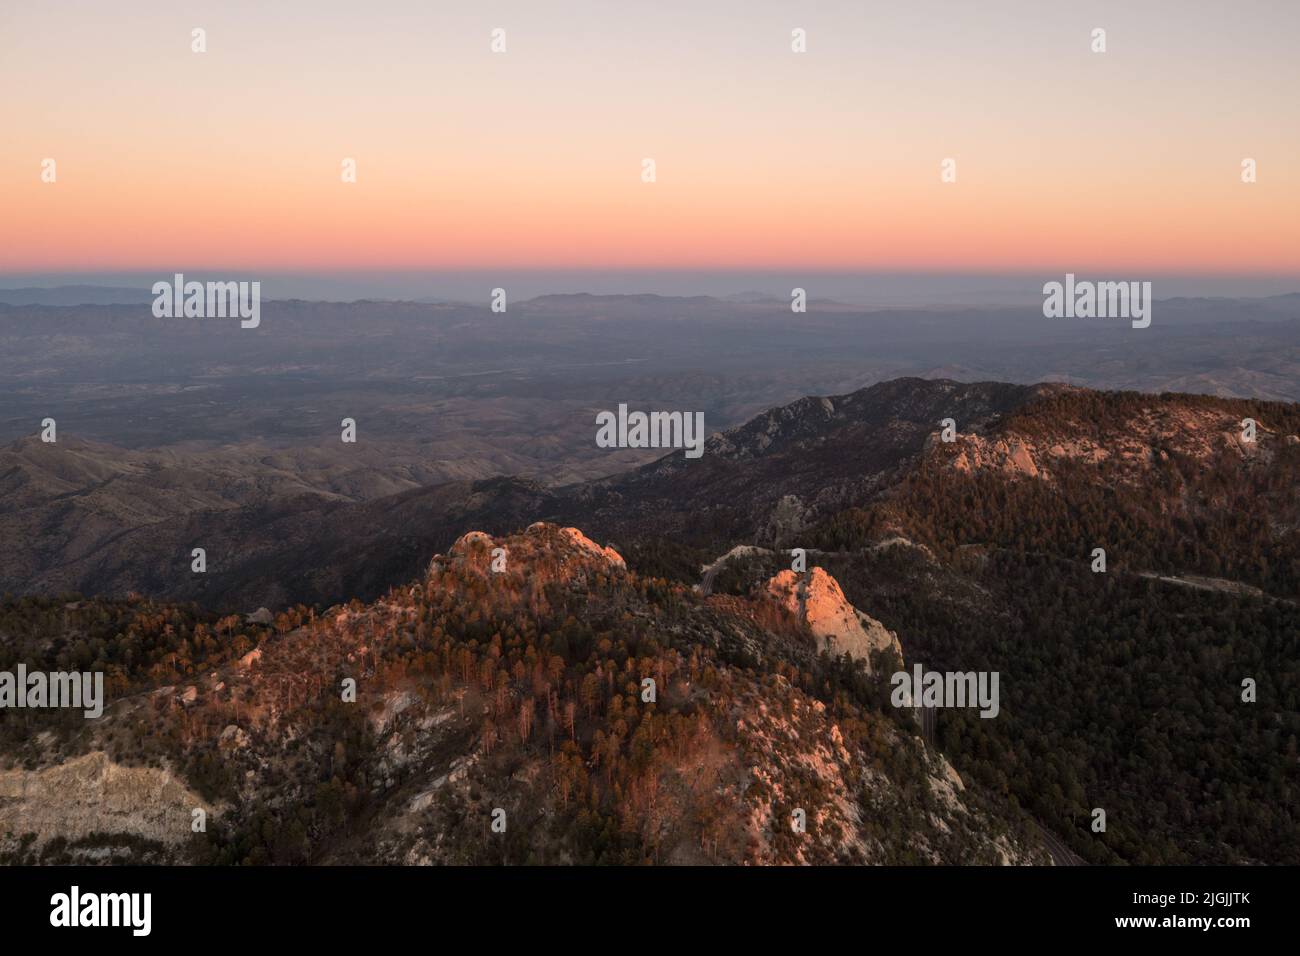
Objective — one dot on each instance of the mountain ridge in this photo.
(786, 472)
(466, 710)
(976, 555)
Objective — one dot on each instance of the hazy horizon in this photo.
(881, 290)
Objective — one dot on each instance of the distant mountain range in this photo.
(67, 295)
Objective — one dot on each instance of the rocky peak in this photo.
(840, 628)
(541, 547)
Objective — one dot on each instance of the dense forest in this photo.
(1125, 694)
(1116, 691)
(1220, 522)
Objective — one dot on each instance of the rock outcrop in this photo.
(91, 795)
(816, 599)
(562, 551)
(582, 541)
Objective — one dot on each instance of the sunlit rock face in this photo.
(838, 626)
(582, 541)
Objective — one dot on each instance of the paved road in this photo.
(1062, 855)
(711, 571)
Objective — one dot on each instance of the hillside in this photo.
(521, 689)
(1165, 483)
(1122, 688)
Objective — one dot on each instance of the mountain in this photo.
(594, 715)
(1126, 562)
(1165, 481)
(65, 295)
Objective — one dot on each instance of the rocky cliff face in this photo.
(92, 798)
(816, 599)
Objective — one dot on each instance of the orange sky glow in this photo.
(532, 158)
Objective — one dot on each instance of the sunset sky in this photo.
(1066, 159)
